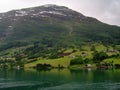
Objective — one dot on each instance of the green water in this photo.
(60, 80)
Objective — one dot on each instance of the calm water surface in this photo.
(60, 80)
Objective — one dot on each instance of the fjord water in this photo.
(64, 79)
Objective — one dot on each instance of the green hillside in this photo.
(47, 33)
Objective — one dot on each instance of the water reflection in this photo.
(56, 79)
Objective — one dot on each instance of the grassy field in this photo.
(65, 61)
(115, 60)
(84, 52)
(54, 62)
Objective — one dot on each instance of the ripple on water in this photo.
(85, 86)
(27, 85)
(13, 84)
(45, 85)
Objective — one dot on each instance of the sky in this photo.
(107, 11)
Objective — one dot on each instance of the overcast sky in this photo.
(107, 11)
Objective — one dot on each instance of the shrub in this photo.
(99, 56)
(76, 61)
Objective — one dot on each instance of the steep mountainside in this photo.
(53, 24)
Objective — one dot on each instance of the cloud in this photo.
(105, 10)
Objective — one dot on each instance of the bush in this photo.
(76, 61)
(99, 56)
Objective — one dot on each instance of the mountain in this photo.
(53, 25)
